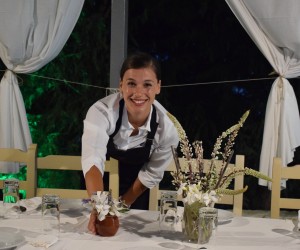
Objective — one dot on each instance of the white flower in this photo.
(192, 193)
(104, 204)
(102, 210)
(210, 197)
(114, 210)
(181, 188)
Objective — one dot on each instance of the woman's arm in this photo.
(93, 183)
(133, 192)
(93, 180)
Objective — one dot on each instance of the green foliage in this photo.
(20, 176)
(60, 179)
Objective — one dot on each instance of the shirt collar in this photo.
(126, 124)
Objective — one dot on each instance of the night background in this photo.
(211, 74)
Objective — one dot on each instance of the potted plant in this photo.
(108, 211)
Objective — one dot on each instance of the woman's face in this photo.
(139, 88)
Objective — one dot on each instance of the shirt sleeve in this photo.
(95, 137)
(153, 171)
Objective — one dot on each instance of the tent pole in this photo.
(118, 43)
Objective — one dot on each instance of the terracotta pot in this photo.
(108, 227)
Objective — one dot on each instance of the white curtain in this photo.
(32, 33)
(274, 27)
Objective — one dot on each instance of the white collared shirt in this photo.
(100, 123)
(126, 130)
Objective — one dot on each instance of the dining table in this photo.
(139, 229)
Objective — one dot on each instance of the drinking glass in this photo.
(51, 214)
(168, 211)
(11, 198)
(208, 222)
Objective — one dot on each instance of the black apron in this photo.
(132, 160)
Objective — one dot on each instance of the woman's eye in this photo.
(131, 84)
(148, 85)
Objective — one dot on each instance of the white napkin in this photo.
(31, 204)
(44, 240)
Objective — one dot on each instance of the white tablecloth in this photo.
(139, 230)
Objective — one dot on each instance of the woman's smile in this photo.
(139, 102)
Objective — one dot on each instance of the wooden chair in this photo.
(67, 162)
(282, 172)
(235, 200)
(29, 159)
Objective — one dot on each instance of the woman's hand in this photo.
(94, 183)
(92, 222)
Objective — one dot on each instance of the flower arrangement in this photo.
(207, 187)
(104, 204)
(200, 187)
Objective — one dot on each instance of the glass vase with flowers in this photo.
(200, 188)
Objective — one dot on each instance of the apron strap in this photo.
(119, 121)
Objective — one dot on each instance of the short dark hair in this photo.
(139, 60)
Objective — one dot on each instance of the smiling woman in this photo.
(132, 127)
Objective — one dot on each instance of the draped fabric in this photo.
(274, 27)
(32, 33)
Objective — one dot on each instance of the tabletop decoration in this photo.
(108, 211)
(200, 188)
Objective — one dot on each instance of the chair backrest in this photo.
(235, 200)
(29, 159)
(279, 173)
(67, 162)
